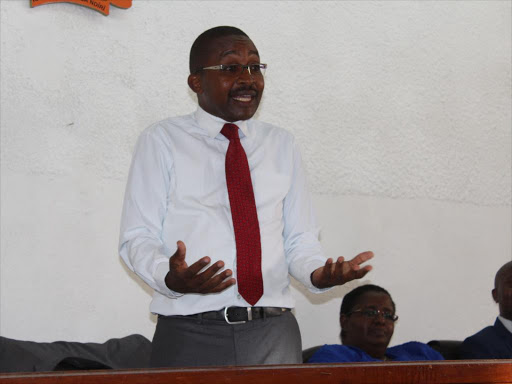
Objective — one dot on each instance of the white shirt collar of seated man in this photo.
(506, 323)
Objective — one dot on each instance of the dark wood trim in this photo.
(439, 372)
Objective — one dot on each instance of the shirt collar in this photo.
(212, 125)
(506, 323)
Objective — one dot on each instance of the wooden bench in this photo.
(439, 372)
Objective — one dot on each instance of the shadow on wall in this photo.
(335, 293)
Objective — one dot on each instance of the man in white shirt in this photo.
(177, 194)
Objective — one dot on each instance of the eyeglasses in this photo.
(372, 313)
(237, 69)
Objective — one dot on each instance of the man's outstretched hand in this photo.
(184, 279)
(342, 271)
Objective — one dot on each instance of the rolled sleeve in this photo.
(302, 246)
(145, 205)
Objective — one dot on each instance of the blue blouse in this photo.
(411, 351)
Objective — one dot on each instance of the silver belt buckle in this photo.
(249, 316)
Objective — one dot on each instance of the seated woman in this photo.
(367, 319)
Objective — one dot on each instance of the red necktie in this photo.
(245, 218)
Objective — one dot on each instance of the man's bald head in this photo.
(502, 292)
(502, 272)
(201, 47)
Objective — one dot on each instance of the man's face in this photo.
(230, 97)
(368, 333)
(502, 294)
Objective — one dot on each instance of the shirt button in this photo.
(239, 296)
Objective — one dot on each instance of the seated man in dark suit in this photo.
(367, 319)
(495, 342)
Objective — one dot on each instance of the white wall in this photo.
(403, 111)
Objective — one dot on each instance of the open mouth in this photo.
(244, 95)
(243, 98)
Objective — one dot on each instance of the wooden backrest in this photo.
(443, 372)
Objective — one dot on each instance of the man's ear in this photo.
(194, 82)
(495, 295)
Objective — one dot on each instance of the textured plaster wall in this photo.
(403, 111)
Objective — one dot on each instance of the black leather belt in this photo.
(239, 315)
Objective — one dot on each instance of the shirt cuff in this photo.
(311, 267)
(161, 271)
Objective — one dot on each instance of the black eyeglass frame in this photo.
(225, 68)
(371, 313)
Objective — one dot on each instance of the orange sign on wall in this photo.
(102, 6)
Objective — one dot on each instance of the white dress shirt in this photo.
(177, 190)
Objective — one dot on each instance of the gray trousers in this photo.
(182, 341)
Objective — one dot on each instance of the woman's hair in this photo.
(351, 299)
